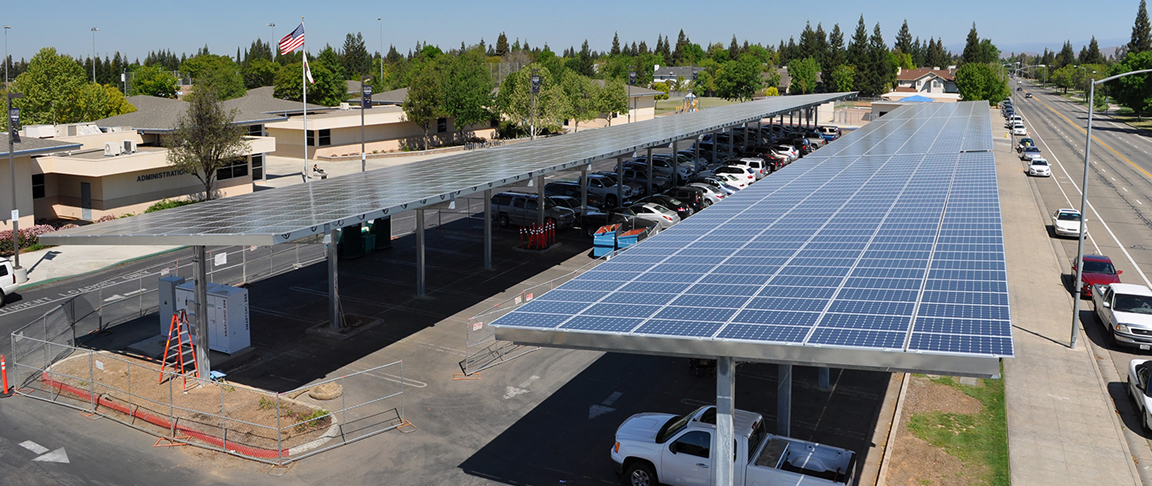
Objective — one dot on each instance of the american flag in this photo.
(292, 41)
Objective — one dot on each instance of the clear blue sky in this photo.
(134, 28)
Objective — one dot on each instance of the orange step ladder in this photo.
(181, 352)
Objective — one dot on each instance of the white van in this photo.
(1012, 120)
(8, 283)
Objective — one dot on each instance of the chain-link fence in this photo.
(482, 350)
(276, 428)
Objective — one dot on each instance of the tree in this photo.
(333, 61)
(328, 90)
(153, 80)
(117, 104)
(740, 79)
(803, 73)
(610, 98)
(422, 105)
(1141, 31)
(1134, 92)
(843, 78)
(501, 45)
(903, 39)
(858, 46)
(51, 86)
(1092, 53)
(972, 50)
(1065, 77)
(466, 86)
(979, 81)
(835, 49)
(355, 59)
(1065, 57)
(259, 72)
(205, 139)
(514, 100)
(581, 93)
(220, 72)
(615, 45)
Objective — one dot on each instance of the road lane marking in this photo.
(1102, 144)
(34, 447)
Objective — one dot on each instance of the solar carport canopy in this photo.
(883, 250)
(291, 213)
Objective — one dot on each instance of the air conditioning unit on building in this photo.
(39, 131)
(345, 106)
(129, 146)
(112, 149)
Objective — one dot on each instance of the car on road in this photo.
(1125, 311)
(1039, 167)
(1139, 378)
(8, 284)
(1025, 142)
(1029, 152)
(1019, 130)
(1067, 222)
(1027, 95)
(661, 448)
(1098, 270)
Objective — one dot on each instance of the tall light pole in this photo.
(13, 137)
(272, 47)
(94, 31)
(1084, 199)
(378, 19)
(534, 89)
(6, 27)
(631, 81)
(365, 102)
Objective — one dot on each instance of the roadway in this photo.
(1119, 217)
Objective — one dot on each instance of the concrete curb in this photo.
(101, 269)
(882, 476)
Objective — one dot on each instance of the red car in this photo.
(1098, 270)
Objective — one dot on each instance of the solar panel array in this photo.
(888, 239)
(290, 213)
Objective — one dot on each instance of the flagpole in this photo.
(304, 86)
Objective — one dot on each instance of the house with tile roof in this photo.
(937, 84)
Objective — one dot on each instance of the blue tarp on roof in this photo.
(918, 98)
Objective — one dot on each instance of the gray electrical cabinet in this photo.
(228, 327)
(167, 298)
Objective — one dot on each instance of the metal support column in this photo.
(649, 159)
(584, 189)
(203, 366)
(333, 279)
(822, 381)
(420, 252)
(747, 141)
(487, 229)
(731, 141)
(619, 181)
(784, 400)
(725, 428)
(540, 201)
(676, 163)
(715, 146)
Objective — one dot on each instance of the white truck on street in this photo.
(659, 448)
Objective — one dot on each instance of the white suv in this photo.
(8, 283)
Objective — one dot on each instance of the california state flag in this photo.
(307, 71)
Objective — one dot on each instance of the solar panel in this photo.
(294, 212)
(882, 250)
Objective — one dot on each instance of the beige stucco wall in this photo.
(384, 131)
(23, 166)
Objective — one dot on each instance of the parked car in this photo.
(638, 176)
(605, 188)
(1012, 120)
(592, 221)
(755, 165)
(1067, 222)
(572, 189)
(8, 283)
(787, 151)
(712, 193)
(721, 183)
(654, 212)
(744, 172)
(681, 208)
(1139, 375)
(1019, 130)
(1039, 167)
(1098, 270)
(693, 196)
(571, 203)
(1125, 311)
(830, 133)
(658, 448)
(1025, 142)
(523, 209)
(1029, 152)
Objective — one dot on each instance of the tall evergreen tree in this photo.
(501, 45)
(820, 46)
(835, 49)
(883, 75)
(1141, 31)
(355, 58)
(615, 44)
(666, 50)
(904, 40)
(972, 50)
(734, 49)
(858, 48)
(1093, 56)
(1065, 57)
(807, 46)
(681, 45)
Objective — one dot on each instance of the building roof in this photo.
(676, 71)
(914, 74)
(635, 91)
(156, 114)
(394, 97)
(32, 146)
(262, 100)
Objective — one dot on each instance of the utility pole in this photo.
(13, 138)
(94, 31)
(365, 102)
(631, 82)
(535, 90)
(272, 39)
(6, 28)
(381, 48)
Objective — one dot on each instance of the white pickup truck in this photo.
(659, 448)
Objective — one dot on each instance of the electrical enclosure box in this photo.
(167, 300)
(228, 326)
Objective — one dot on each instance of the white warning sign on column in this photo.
(221, 258)
(477, 325)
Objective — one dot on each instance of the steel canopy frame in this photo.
(295, 212)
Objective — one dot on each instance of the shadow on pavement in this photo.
(567, 437)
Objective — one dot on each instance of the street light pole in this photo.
(272, 39)
(13, 119)
(1084, 200)
(365, 100)
(94, 31)
(6, 28)
(381, 47)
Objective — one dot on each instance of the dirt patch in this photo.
(914, 461)
(926, 396)
(244, 416)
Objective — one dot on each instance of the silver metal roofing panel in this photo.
(883, 250)
(290, 213)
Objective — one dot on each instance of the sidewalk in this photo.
(1062, 427)
(60, 262)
